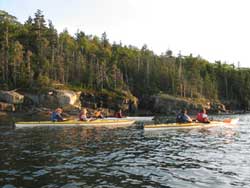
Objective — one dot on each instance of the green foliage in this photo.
(34, 55)
(43, 81)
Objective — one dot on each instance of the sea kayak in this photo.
(71, 123)
(191, 125)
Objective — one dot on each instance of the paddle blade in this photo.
(228, 120)
(231, 121)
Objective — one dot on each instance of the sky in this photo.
(213, 29)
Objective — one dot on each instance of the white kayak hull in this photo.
(193, 125)
(109, 124)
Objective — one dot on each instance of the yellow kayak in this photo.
(93, 123)
(191, 125)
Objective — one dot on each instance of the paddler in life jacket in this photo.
(118, 114)
(83, 115)
(202, 116)
(183, 117)
(57, 115)
(98, 114)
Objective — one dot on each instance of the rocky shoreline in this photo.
(23, 105)
(28, 106)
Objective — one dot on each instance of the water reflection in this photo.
(96, 157)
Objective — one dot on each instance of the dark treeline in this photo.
(34, 54)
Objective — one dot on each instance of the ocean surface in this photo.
(51, 157)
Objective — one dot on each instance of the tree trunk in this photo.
(6, 54)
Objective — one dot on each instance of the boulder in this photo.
(11, 97)
(7, 107)
(71, 109)
(67, 97)
(218, 107)
(54, 98)
(167, 104)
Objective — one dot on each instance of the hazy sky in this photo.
(214, 29)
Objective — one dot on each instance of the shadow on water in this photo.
(98, 157)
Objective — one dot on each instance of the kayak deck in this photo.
(95, 123)
(189, 125)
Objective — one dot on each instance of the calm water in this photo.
(80, 157)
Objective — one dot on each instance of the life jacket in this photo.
(118, 115)
(97, 114)
(200, 118)
(180, 118)
(82, 117)
(54, 116)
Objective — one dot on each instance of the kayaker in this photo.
(57, 115)
(183, 117)
(83, 115)
(202, 116)
(118, 114)
(98, 114)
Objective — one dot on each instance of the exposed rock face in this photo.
(217, 107)
(7, 107)
(72, 101)
(166, 104)
(11, 97)
(54, 98)
(110, 101)
(9, 100)
(67, 97)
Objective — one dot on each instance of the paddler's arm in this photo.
(187, 118)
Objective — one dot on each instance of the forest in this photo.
(35, 55)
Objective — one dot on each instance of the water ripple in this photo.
(81, 157)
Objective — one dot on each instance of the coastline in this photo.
(9, 118)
